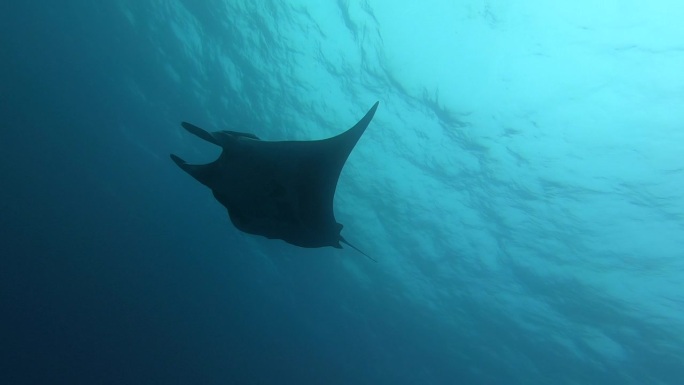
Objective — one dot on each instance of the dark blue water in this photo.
(520, 186)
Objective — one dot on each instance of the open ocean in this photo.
(521, 186)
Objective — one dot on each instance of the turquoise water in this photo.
(520, 186)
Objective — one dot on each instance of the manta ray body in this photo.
(278, 189)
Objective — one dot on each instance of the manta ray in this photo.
(279, 189)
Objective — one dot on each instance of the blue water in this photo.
(520, 185)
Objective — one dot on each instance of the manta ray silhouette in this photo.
(279, 189)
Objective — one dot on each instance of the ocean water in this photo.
(520, 186)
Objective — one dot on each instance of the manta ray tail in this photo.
(356, 248)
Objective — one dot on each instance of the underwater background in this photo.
(520, 186)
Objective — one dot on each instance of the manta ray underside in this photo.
(280, 190)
